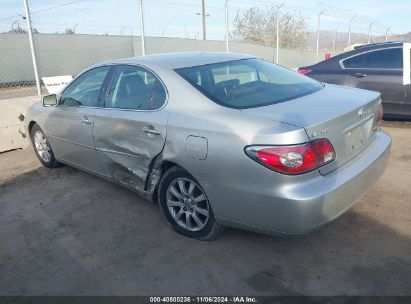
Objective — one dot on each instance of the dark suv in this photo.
(376, 67)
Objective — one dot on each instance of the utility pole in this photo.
(349, 30)
(143, 44)
(33, 53)
(278, 32)
(318, 35)
(369, 32)
(203, 18)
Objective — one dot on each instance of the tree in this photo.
(257, 25)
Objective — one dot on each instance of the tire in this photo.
(42, 148)
(187, 210)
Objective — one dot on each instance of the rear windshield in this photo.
(248, 83)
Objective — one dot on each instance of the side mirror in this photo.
(50, 100)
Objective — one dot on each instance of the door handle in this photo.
(359, 75)
(151, 131)
(86, 121)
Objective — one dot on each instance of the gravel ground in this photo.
(65, 232)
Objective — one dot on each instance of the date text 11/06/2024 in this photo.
(237, 299)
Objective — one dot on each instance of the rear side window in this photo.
(354, 62)
(384, 59)
(159, 96)
(248, 83)
(381, 59)
(134, 88)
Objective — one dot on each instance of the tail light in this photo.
(303, 72)
(325, 151)
(378, 118)
(296, 159)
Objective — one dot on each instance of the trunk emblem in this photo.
(320, 132)
(362, 112)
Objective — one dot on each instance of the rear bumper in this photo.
(302, 207)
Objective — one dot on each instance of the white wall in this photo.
(10, 124)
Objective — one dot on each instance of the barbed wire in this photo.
(324, 9)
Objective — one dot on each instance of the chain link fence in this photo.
(69, 35)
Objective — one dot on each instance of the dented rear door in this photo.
(124, 146)
(130, 130)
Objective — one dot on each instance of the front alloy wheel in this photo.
(42, 147)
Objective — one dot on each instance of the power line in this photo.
(43, 10)
(54, 7)
(185, 4)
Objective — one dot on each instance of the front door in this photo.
(130, 129)
(70, 123)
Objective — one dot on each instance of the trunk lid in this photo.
(345, 116)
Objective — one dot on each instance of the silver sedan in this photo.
(218, 139)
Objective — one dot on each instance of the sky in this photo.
(178, 18)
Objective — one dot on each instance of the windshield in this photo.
(248, 83)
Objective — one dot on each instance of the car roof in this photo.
(367, 48)
(379, 45)
(182, 59)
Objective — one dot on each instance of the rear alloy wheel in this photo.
(42, 147)
(186, 207)
(187, 204)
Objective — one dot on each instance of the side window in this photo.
(384, 59)
(354, 62)
(134, 88)
(84, 91)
